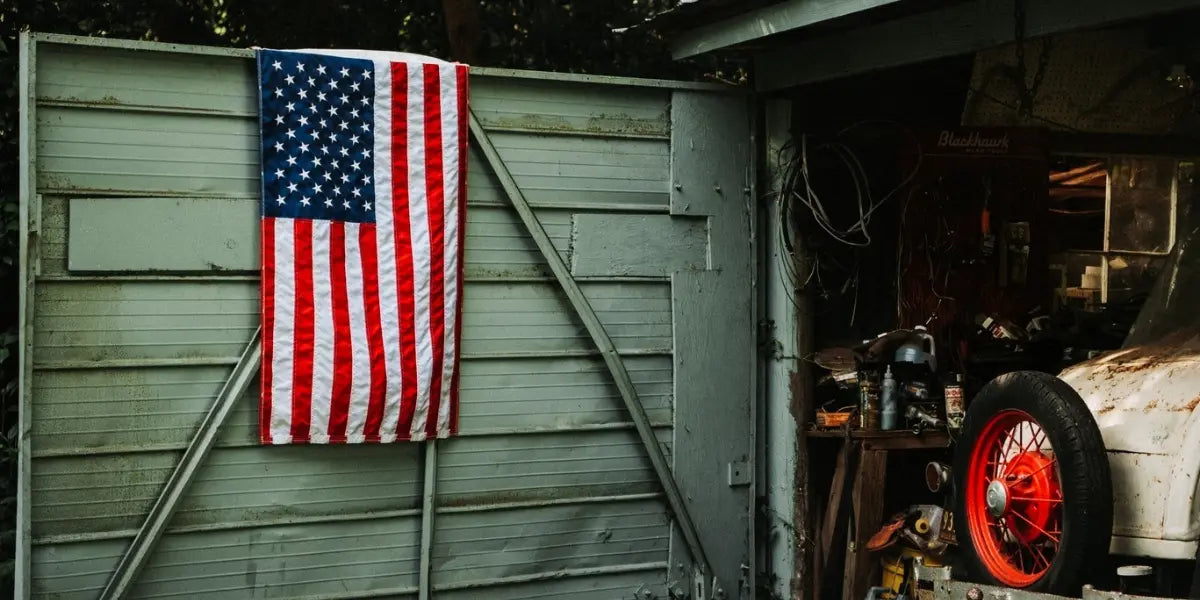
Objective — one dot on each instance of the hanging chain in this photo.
(1040, 73)
(1028, 90)
(1023, 99)
(1019, 34)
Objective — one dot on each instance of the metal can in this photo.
(868, 403)
(955, 405)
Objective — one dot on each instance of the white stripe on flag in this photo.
(283, 336)
(419, 226)
(449, 112)
(322, 385)
(389, 308)
(360, 391)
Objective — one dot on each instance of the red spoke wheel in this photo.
(1032, 484)
(1014, 499)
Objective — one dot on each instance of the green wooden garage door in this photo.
(143, 291)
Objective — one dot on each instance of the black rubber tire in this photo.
(1083, 467)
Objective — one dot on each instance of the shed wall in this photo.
(146, 292)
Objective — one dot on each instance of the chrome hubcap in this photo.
(997, 498)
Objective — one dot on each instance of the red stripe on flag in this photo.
(435, 197)
(370, 274)
(460, 73)
(305, 316)
(343, 366)
(401, 227)
(268, 327)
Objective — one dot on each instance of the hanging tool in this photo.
(988, 243)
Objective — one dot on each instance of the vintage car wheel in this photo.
(1034, 495)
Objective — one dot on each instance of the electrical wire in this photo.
(1063, 211)
(915, 261)
(1017, 108)
(786, 266)
(798, 184)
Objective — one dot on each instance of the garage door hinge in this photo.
(35, 216)
(767, 346)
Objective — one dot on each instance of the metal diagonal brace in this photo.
(428, 510)
(152, 529)
(616, 366)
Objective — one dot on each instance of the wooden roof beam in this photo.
(954, 30)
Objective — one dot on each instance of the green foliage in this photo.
(8, 454)
(524, 34)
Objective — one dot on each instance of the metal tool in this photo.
(922, 418)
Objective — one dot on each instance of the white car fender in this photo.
(1146, 402)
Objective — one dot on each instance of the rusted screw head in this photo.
(974, 594)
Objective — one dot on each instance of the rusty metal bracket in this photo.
(124, 576)
(604, 343)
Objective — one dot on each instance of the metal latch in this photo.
(739, 473)
(645, 592)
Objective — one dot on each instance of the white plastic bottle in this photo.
(887, 398)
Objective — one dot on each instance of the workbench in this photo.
(861, 469)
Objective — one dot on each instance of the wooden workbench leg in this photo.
(867, 508)
(834, 505)
(829, 526)
(833, 523)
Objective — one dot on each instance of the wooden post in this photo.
(868, 498)
(837, 489)
(803, 585)
(830, 527)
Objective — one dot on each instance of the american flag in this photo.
(363, 212)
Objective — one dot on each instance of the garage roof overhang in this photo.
(797, 42)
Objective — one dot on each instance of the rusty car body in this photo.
(1145, 398)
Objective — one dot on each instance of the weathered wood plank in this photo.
(869, 485)
(637, 245)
